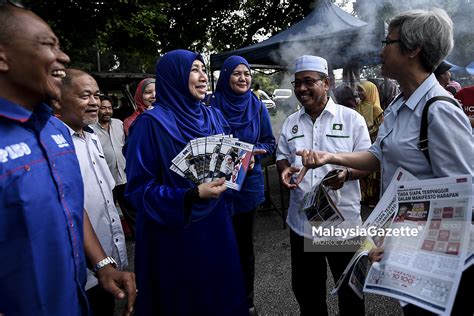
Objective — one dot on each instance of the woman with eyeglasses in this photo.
(186, 256)
(416, 43)
(250, 122)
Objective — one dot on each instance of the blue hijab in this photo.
(177, 109)
(242, 111)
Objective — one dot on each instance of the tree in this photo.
(253, 19)
(120, 32)
(129, 35)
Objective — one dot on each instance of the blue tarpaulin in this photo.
(460, 70)
(328, 31)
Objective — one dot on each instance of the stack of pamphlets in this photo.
(209, 158)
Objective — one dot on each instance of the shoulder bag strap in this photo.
(423, 140)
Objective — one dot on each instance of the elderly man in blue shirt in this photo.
(43, 238)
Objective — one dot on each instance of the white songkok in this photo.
(311, 63)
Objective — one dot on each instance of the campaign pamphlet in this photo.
(209, 158)
(236, 160)
(184, 162)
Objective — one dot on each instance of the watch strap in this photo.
(102, 263)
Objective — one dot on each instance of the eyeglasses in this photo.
(389, 41)
(308, 82)
(17, 4)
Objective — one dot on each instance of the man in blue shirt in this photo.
(42, 236)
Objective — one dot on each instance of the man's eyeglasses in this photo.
(17, 4)
(308, 82)
(389, 41)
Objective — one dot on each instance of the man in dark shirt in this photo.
(44, 232)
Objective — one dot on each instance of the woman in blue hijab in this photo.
(186, 257)
(249, 121)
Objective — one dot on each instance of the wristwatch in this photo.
(348, 174)
(102, 263)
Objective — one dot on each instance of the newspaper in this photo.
(319, 206)
(425, 269)
(470, 254)
(358, 266)
(380, 218)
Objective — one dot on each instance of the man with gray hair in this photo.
(45, 235)
(79, 105)
(112, 138)
(321, 125)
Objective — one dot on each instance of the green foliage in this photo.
(252, 20)
(129, 35)
(267, 83)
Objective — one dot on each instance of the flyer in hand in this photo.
(213, 148)
(319, 206)
(184, 162)
(209, 158)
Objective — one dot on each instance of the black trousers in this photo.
(463, 303)
(244, 227)
(308, 280)
(101, 303)
(128, 212)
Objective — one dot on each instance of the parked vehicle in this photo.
(281, 95)
(121, 88)
(285, 100)
(269, 104)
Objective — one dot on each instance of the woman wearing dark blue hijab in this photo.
(249, 121)
(186, 257)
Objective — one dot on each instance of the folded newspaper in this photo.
(319, 206)
(209, 158)
(424, 268)
(380, 218)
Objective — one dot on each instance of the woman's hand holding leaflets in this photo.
(212, 190)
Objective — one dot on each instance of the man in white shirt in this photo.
(112, 138)
(319, 125)
(78, 108)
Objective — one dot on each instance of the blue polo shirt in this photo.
(42, 262)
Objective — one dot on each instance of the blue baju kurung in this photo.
(186, 260)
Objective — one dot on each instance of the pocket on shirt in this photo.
(295, 143)
(339, 142)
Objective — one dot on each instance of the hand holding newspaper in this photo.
(425, 268)
(380, 218)
(319, 205)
